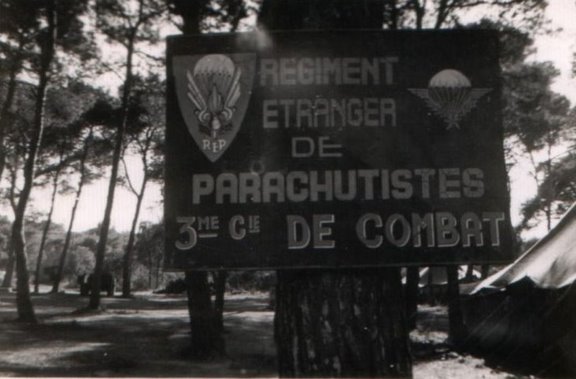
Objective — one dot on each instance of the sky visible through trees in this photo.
(557, 46)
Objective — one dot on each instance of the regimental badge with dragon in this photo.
(213, 93)
(450, 96)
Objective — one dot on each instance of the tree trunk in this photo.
(337, 323)
(205, 339)
(150, 266)
(206, 342)
(341, 324)
(45, 232)
(457, 330)
(441, 13)
(129, 252)
(431, 295)
(419, 11)
(219, 289)
(94, 303)
(411, 290)
(116, 156)
(7, 104)
(11, 264)
(321, 14)
(192, 13)
(157, 272)
(81, 180)
(485, 271)
(7, 282)
(470, 273)
(23, 300)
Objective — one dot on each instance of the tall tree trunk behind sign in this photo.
(341, 324)
(411, 291)
(219, 289)
(205, 338)
(337, 323)
(457, 330)
(206, 341)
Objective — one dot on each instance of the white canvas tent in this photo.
(526, 310)
(549, 264)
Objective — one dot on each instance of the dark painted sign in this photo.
(335, 149)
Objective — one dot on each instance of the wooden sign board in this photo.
(335, 149)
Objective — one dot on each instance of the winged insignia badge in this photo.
(450, 96)
(213, 92)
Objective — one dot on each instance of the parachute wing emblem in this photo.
(473, 97)
(423, 94)
(450, 96)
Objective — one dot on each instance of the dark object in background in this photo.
(176, 286)
(107, 284)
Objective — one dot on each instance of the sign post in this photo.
(335, 149)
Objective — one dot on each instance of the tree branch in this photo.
(127, 175)
(58, 166)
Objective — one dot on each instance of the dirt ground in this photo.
(146, 336)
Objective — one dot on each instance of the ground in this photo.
(146, 336)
